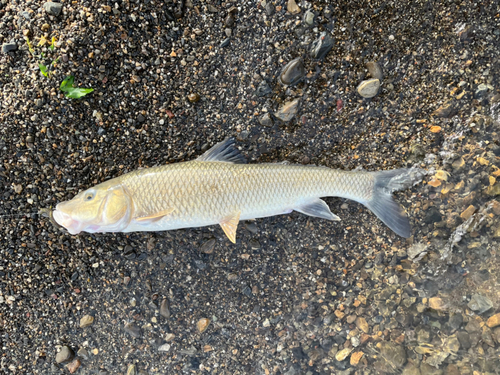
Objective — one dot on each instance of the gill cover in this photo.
(103, 208)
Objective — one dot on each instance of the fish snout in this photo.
(66, 221)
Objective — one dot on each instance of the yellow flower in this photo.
(42, 41)
(53, 43)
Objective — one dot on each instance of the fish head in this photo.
(103, 208)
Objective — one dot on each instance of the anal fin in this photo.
(317, 208)
(229, 225)
(154, 217)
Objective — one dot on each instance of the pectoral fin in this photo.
(229, 226)
(154, 217)
(317, 208)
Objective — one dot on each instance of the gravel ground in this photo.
(295, 295)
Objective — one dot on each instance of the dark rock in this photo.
(270, 8)
(293, 72)
(9, 47)
(464, 339)
(265, 120)
(54, 9)
(375, 70)
(225, 42)
(133, 330)
(263, 89)
(321, 46)
(432, 215)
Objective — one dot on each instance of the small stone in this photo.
(342, 354)
(321, 46)
(133, 330)
(169, 337)
(288, 110)
(73, 366)
(464, 339)
(229, 21)
(263, 89)
(309, 18)
(369, 88)
(265, 120)
(493, 321)
(66, 354)
(362, 324)
(9, 47)
(86, 321)
(208, 247)
(269, 8)
(437, 303)
(45, 27)
(293, 72)
(480, 303)
(203, 324)
(83, 353)
(375, 70)
(292, 7)
(225, 42)
(447, 110)
(394, 355)
(141, 118)
(164, 348)
(356, 357)
(131, 370)
(469, 211)
(228, 32)
(54, 9)
(194, 97)
(481, 91)
(165, 309)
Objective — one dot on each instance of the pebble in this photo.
(54, 9)
(393, 354)
(131, 370)
(73, 366)
(342, 354)
(468, 212)
(133, 330)
(292, 7)
(481, 91)
(321, 46)
(362, 324)
(83, 353)
(202, 324)
(263, 89)
(9, 47)
(164, 348)
(208, 246)
(269, 8)
(225, 42)
(266, 120)
(288, 110)
(437, 303)
(66, 354)
(194, 97)
(356, 357)
(369, 88)
(86, 321)
(375, 70)
(293, 72)
(480, 303)
(229, 21)
(165, 309)
(493, 321)
(309, 18)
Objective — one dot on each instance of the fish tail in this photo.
(383, 205)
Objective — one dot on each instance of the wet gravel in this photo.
(295, 295)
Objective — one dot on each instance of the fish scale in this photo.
(217, 188)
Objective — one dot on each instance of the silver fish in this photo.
(218, 188)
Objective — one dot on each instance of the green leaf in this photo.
(77, 93)
(73, 92)
(67, 83)
(51, 47)
(43, 69)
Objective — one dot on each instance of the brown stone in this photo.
(203, 324)
(493, 321)
(469, 211)
(437, 303)
(73, 366)
(362, 324)
(356, 357)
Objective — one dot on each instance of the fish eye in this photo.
(89, 195)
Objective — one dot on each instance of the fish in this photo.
(220, 188)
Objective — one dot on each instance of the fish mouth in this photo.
(66, 221)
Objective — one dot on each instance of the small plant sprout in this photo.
(44, 69)
(73, 92)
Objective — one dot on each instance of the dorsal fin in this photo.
(224, 152)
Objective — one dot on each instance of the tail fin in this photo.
(382, 204)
